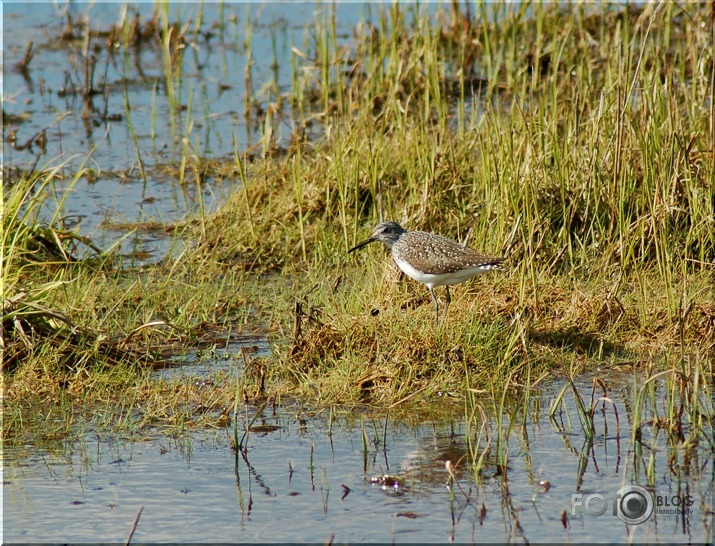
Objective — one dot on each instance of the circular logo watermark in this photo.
(633, 504)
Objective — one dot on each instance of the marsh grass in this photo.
(582, 154)
(81, 334)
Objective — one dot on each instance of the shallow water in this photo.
(212, 94)
(304, 481)
(192, 364)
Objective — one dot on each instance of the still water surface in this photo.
(208, 118)
(305, 481)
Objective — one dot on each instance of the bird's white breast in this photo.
(431, 279)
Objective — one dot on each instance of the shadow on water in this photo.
(303, 477)
(584, 343)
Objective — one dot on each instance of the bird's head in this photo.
(385, 232)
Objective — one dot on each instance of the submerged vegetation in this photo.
(576, 142)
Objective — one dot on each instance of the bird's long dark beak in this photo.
(360, 245)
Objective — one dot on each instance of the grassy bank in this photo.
(575, 142)
(584, 157)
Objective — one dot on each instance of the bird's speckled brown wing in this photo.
(437, 255)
